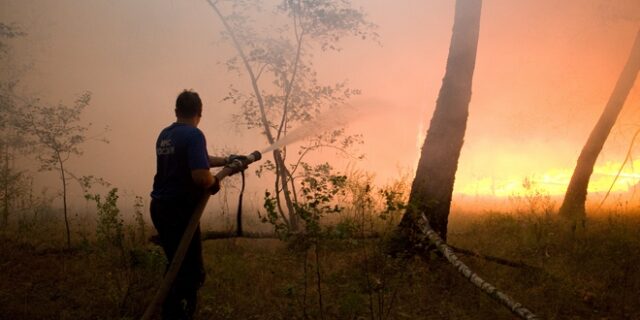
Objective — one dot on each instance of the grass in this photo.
(588, 275)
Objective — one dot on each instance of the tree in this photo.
(58, 130)
(573, 205)
(13, 181)
(432, 187)
(8, 32)
(285, 92)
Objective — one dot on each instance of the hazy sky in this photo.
(544, 72)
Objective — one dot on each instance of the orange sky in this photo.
(544, 71)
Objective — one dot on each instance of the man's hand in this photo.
(238, 165)
(233, 157)
(215, 187)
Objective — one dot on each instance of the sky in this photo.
(543, 74)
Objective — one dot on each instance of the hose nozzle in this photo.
(239, 163)
(254, 156)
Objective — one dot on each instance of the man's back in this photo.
(180, 148)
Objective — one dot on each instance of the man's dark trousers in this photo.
(170, 218)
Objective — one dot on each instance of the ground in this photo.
(591, 274)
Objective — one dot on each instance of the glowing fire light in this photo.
(553, 182)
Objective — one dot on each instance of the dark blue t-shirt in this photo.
(180, 148)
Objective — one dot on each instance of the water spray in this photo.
(338, 116)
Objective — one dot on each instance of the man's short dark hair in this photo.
(188, 104)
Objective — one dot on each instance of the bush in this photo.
(110, 228)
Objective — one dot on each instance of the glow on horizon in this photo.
(552, 182)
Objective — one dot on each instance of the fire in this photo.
(553, 182)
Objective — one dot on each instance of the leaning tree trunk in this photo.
(433, 184)
(573, 206)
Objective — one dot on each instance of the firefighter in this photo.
(181, 179)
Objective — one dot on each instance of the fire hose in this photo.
(236, 165)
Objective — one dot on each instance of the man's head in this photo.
(188, 105)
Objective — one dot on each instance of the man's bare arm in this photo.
(202, 177)
(217, 161)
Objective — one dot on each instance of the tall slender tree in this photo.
(12, 180)
(573, 205)
(285, 92)
(432, 186)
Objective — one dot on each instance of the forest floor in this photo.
(591, 274)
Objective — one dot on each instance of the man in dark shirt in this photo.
(182, 178)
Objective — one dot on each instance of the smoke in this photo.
(337, 117)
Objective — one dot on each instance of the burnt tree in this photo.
(433, 184)
(573, 205)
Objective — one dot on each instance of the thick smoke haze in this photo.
(544, 72)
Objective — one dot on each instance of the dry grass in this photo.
(589, 275)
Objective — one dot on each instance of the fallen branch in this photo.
(214, 235)
(493, 292)
(498, 260)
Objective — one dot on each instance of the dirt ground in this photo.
(590, 276)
